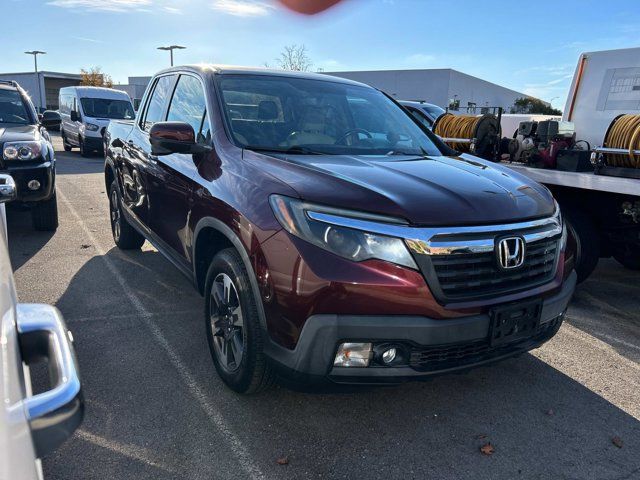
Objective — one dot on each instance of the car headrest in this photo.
(267, 110)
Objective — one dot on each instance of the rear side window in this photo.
(421, 117)
(189, 105)
(157, 102)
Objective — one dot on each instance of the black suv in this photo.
(27, 153)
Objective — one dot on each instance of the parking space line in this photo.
(243, 456)
(72, 319)
(131, 451)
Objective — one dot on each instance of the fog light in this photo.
(353, 355)
(33, 184)
(389, 355)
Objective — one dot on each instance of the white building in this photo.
(440, 86)
(43, 87)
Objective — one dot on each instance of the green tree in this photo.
(533, 105)
(94, 77)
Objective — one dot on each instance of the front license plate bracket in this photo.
(514, 322)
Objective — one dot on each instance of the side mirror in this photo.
(75, 117)
(7, 188)
(174, 137)
(50, 119)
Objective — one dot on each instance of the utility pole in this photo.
(171, 48)
(35, 54)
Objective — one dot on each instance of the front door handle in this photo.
(55, 414)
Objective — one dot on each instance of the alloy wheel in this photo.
(115, 215)
(227, 323)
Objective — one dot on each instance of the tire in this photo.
(586, 238)
(45, 215)
(629, 256)
(232, 320)
(65, 144)
(83, 151)
(124, 235)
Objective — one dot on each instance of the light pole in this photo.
(171, 48)
(35, 54)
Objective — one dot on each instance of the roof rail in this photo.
(13, 83)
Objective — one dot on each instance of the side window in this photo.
(421, 117)
(189, 105)
(155, 106)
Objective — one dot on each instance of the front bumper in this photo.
(93, 143)
(312, 359)
(43, 172)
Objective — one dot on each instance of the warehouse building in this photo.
(441, 86)
(43, 87)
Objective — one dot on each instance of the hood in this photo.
(19, 133)
(423, 190)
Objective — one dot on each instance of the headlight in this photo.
(348, 243)
(563, 237)
(91, 127)
(22, 150)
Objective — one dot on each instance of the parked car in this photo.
(332, 235)
(28, 155)
(32, 425)
(86, 112)
(425, 113)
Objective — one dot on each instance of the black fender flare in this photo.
(108, 164)
(210, 222)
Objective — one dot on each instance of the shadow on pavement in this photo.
(24, 240)
(607, 306)
(542, 423)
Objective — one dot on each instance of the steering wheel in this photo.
(350, 133)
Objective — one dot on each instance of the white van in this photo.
(86, 112)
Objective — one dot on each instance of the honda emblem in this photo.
(510, 252)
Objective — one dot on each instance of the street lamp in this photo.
(171, 48)
(35, 54)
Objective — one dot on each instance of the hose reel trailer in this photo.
(476, 134)
(620, 154)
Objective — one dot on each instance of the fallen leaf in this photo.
(550, 412)
(487, 449)
(617, 441)
(283, 461)
(85, 245)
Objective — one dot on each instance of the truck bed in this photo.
(584, 180)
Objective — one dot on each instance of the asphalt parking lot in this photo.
(156, 409)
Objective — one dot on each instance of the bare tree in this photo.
(294, 57)
(94, 77)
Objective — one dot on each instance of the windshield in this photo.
(12, 108)
(107, 108)
(434, 110)
(315, 116)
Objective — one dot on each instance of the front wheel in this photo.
(65, 144)
(586, 238)
(124, 235)
(83, 149)
(235, 336)
(45, 215)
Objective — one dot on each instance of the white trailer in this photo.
(603, 212)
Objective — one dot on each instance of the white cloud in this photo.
(105, 5)
(173, 10)
(242, 8)
(90, 40)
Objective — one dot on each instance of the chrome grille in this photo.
(477, 274)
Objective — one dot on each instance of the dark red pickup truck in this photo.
(331, 234)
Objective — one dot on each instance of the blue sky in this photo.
(533, 50)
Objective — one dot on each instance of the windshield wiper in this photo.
(295, 149)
